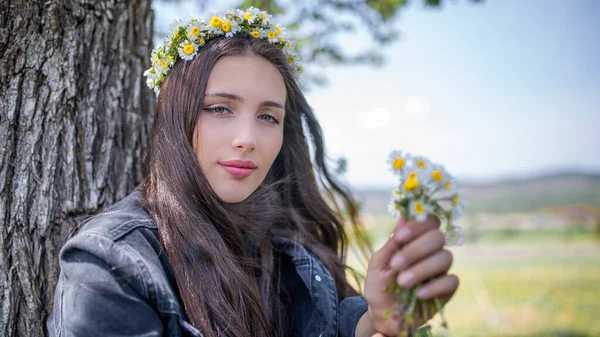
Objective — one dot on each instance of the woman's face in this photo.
(240, 131)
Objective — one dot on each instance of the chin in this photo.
(233, 195)
(234, 200)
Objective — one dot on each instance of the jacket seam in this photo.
(150, 287)
(127, 227)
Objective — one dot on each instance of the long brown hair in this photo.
(221, 253)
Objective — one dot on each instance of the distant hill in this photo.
(515, 195)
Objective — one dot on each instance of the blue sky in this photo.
(504, 88)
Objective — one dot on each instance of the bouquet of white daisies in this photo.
(424, 188)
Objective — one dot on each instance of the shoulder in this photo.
(122, 239)
(117, 249)
(114, 271)
(119, 220)
(126, 225)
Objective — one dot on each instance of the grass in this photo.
(527, 237)
(524, 284)
(540, 290)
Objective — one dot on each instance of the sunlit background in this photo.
(506, 94)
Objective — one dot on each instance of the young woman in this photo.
(230, 233)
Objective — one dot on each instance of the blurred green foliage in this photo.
(317, 24)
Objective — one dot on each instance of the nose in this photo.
(245, 135)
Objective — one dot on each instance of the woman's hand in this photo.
(413, 254)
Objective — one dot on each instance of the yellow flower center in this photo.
(188, 49)
(398, 163)
(291, 59)
(397, 206)
(264, 16)
(226, 27)
(248, 16)
(419, 208)
(411, 185)
(255, 34)
(163, 63)
(216, 22)
(175, 35)
(200, 40)
(396, 192)
(170, 59)
(437, 176)
(421, 164)
(448, 185)
(281, 39)
(412, 175)
(277, 30)
(195, 31)
(456, 199)
(271, 35)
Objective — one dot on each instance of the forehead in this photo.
(248, 76)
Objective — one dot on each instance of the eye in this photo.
(218, 110)
(269, 118)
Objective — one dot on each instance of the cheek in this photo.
(275, 144)
(197, 141)
(207, 138)
(203, 143)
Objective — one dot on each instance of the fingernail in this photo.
(405, 279)
(397, 262)
(403, 234)
(422, 292)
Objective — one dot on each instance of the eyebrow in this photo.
(240, 99)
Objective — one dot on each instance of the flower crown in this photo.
(191, 34)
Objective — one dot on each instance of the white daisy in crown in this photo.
(194, 31)
(251, 14)
(272, 36)
(214, 24)
(264, 16)
(237, 13)
(231, 27)
(187, 50)
(174, 26)
(279, 30)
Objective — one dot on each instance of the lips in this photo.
(238, 168)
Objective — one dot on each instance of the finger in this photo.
(414, 228)
(442, 287)
(381, 257)
(434, 265)
(421, 247)
(378, 335)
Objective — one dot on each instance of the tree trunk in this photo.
(74, 118)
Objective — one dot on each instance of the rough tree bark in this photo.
(74, 118)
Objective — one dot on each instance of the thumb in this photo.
(378, 335)
(381, 258)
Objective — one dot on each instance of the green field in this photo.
(528, 284)
(540, 289)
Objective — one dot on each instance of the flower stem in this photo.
(440, 309)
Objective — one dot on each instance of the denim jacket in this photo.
(116, 280)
